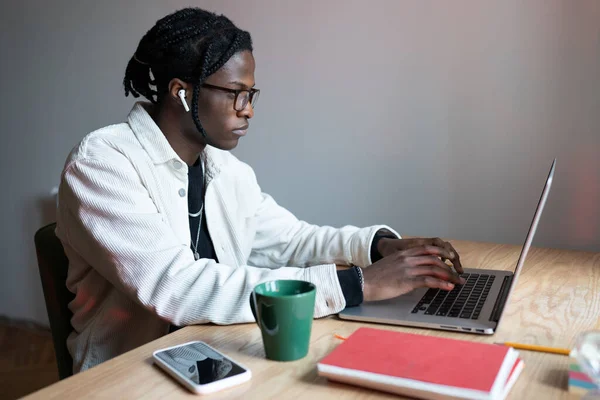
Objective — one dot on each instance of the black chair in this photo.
(53, 265)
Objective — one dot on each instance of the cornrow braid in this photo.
(208, 71)
(190, 44)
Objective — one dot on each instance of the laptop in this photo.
(476, 306)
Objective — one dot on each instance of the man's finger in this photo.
(430, 260)
(444, 273)
(426, 250)
(455, 258)
(431, 282)
(456, 261)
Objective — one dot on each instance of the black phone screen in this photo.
(199, 363)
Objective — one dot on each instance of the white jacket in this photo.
(123, 220)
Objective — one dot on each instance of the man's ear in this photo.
(175, 85)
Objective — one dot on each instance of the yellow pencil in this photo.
(533, 347)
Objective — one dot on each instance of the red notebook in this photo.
(427, 367)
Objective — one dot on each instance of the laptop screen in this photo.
(531, 232)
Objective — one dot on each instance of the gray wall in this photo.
(438, 118)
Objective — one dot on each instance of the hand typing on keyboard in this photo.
(408, 264)
(388, 246)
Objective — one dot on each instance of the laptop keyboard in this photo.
(464, 301)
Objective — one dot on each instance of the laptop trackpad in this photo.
(397, 307)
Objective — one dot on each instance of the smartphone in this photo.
(200, 368)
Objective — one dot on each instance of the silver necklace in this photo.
(195, 246)
(198, 214)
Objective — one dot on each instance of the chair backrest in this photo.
(53, 265)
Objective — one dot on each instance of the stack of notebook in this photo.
(420, 366)
(579, 382)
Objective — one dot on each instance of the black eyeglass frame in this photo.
(253, 94)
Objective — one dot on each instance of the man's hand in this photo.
(387, 246)
(402, 271)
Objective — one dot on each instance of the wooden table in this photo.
(558, 296)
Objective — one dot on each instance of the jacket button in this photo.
(182, 192)
(177, 164)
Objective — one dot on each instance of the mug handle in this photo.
(254, 307)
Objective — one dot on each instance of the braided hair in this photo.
(191, 44)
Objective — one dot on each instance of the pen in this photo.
(533, 347)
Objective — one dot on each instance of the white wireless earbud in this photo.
(181, 94)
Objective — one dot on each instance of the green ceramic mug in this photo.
(284, 311)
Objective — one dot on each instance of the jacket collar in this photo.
(149, 134)
(154, 141)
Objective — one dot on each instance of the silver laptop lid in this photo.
(530, 234)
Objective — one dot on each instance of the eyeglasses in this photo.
(242, 96)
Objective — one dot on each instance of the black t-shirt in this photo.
(205, 247)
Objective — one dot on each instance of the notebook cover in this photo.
(427, 359)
